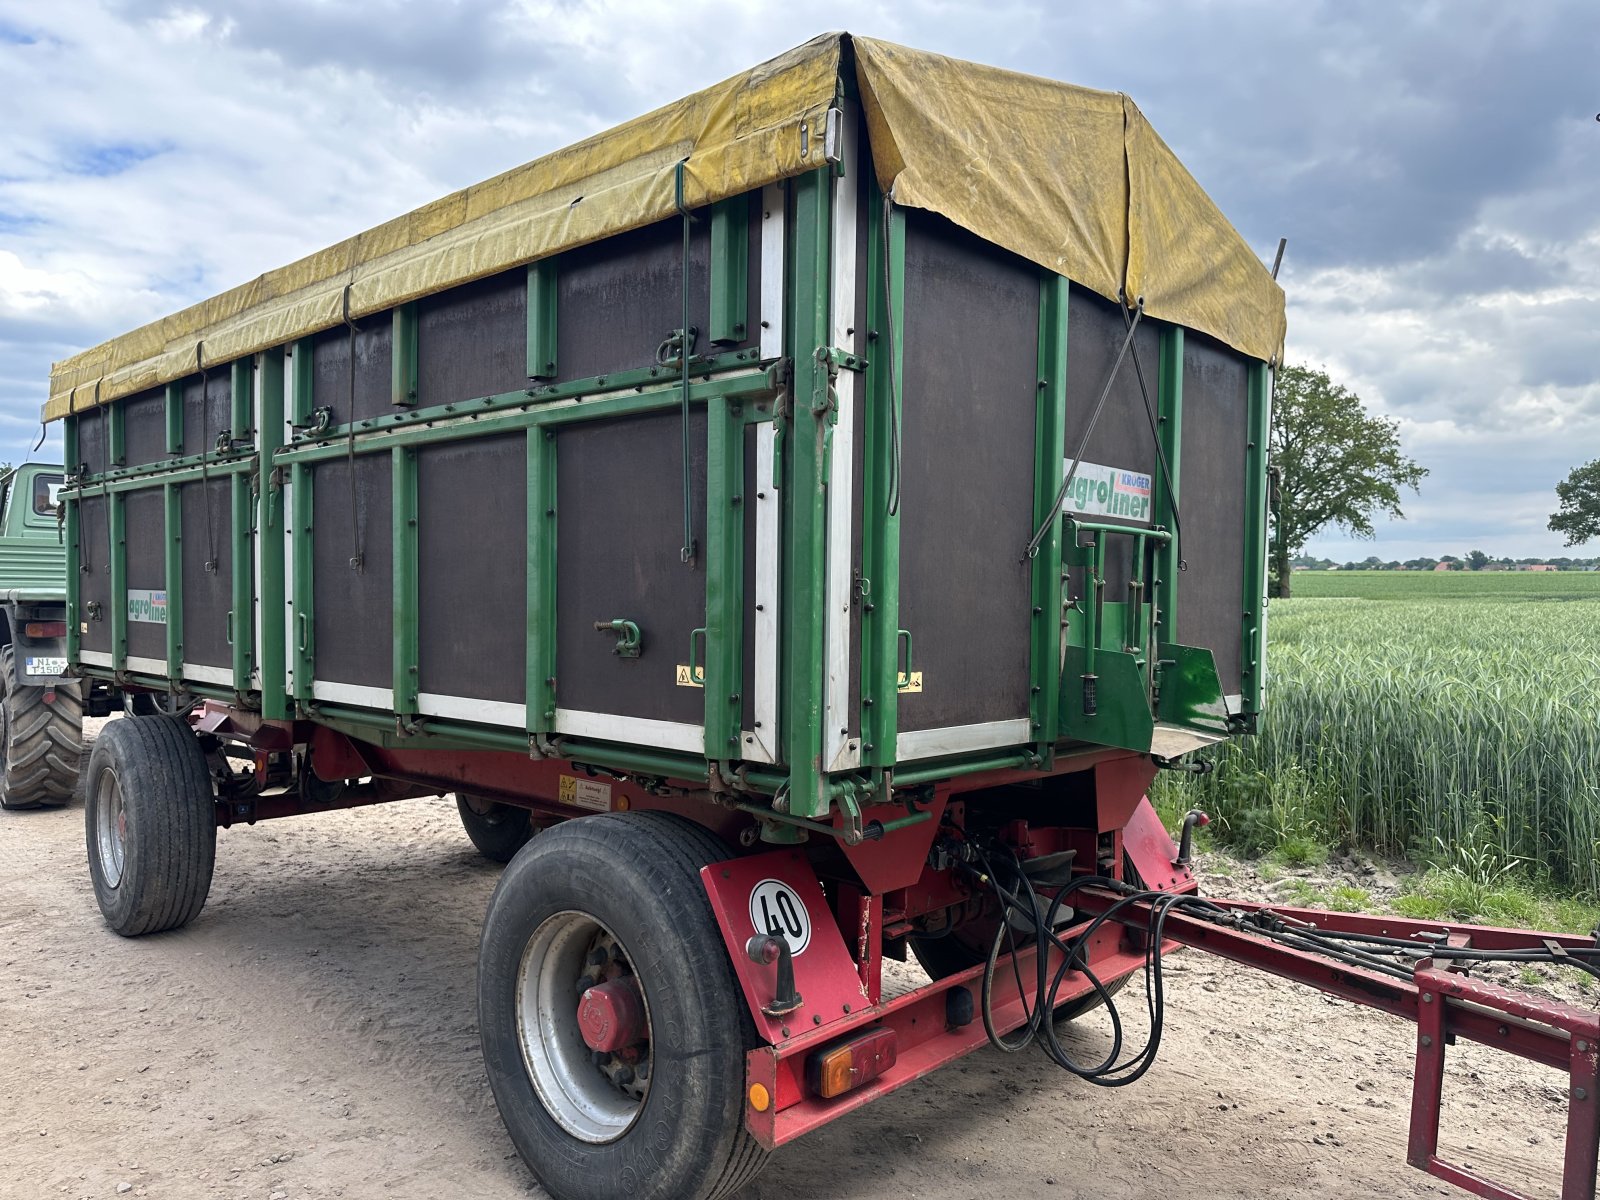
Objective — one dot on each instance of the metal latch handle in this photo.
(629, 639)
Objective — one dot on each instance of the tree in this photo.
(1477, 560)
(1338, 466)
(1578, 517)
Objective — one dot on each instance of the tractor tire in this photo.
(42, 742)
(497, 830)
(150, 821)
(663, 1118)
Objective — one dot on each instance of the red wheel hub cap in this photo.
(611, 1015)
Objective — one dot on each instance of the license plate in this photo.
(44, 666)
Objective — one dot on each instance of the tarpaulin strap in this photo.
(686, 340)
(358, 538)
(1077, 458)
(1161, 451)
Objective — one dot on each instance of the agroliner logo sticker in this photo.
(146, 606)
(1107, 492)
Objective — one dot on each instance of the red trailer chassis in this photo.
(807, 927)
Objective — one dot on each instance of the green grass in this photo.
(1432, 710)
(1447, 585)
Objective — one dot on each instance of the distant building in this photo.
(1538, 567)
(1444, 566)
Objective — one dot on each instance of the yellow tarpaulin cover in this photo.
(1072, 179)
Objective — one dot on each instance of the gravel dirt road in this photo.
(312, 1034)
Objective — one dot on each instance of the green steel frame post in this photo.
(116, 435)
(304, 638)
(806, 494)
(172, 500)
(1169, 425)
(175, 417)
(730, 270)
(300, 354)
(725, 523)
(406, 600)
(1049, 454)
(117, 521)
(542, 319)
(1259, 407)
(880, 614)
(403, 356)
(240, 623)
(270, 525)
(69, 446)
(541, 630)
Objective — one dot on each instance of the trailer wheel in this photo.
(497, 830)
(42, 742)
(615, 901)
(150, 823)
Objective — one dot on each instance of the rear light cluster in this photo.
(44, 629)
(837, 1069)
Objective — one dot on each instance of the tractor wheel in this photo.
(151, 824)
(616, 901)
(42, 741)
(497, 830)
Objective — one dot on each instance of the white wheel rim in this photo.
(582, 1095)
(111, 827)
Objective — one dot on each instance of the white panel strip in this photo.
(610, 727)
(840, 751)
(95, 658)
(1234, 704)
(464, 708)
(760, 743)
(221, 676)
(959, 739)
(352, 693)
(146, 666)
(772, 247)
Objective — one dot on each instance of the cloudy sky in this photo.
(1435, 167)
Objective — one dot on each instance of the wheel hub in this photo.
(111, 828)
(584, 1025)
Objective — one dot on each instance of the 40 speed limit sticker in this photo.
(775, 908)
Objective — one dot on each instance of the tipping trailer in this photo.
(797, 525)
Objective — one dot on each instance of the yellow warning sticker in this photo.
(584, 793)
(908, 683)
(691, 676)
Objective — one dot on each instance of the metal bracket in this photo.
(629, 639)
(321, 421)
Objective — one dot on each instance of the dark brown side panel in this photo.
(472, 340)
(144, 428)
(353, 605)
(1212, 504)
(204, 421)
(619, 488)
(966, 498)
(144, 515)
(1122, 436)
(618, 299)
(94, 445)
(330, 370)
(207, 572)
(472, 530)
(94, 574)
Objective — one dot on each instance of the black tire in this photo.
(152, 773)
(42, 742)
(637, 875)
(499, 830)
